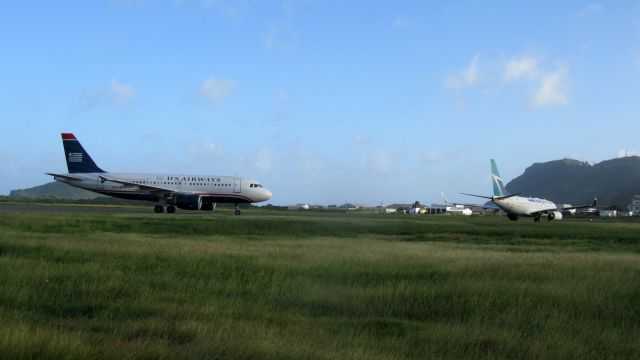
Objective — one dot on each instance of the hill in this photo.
(55, 189)
(570, 181)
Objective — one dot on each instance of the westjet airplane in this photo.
(188, 192)
(516, 206)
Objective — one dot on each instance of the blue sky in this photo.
(322, 101)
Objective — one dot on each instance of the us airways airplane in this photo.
(516, 206)
(188, 192)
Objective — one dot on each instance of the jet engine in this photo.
(189, 202)
(555, 215)
(208, 205)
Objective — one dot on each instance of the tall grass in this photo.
(298, 286)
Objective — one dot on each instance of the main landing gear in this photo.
(159, 209)
(536, 218)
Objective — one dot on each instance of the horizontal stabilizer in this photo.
(65, 177)
(505, 196)
(592, 205)
(480, 196)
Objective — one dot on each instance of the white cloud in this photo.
(203, 149)
(432, 156)
(282, 95)
(216, 91)
(467, 77)
(204, 154)
(281, 36)
(234, 10)
(553, 90)
(121, 93)
(129, 3)
(308, 164)
(403, 22)
(588, 10)
(519, 68)
(380, 161)
(359, 138)
(625, 153)
(264, 161)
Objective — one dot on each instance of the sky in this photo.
(324, 102)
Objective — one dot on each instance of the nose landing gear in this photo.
(158, 209)
(237, 212)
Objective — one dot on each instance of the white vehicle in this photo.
(188, 192)
(516, 206)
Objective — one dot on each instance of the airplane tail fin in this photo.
(498, 186)
(78, 160)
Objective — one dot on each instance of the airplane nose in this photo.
(267, 195)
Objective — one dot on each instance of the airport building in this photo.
(634, 207)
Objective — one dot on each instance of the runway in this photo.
(71, 208)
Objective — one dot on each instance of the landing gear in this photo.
(512, 217)
(536, 218)
(158, 209)
(171, 209)
(237, 212)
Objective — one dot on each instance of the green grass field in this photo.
(315, 285)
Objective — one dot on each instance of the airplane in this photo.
(454, 208)
(515, 205)
(187, 192)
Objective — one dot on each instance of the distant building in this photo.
(635, 204)
(298, 207)
(608, 213)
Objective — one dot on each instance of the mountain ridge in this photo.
(577, 182)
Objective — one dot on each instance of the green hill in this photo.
(55, 190)
(613, 181)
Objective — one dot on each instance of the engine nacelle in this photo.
(555, 215)
(208, 205)
(189, 202)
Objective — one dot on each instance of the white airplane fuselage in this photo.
(188, 192)
(213, 189)
(524, 206)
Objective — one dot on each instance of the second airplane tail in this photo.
(78, 160)
(496, 180)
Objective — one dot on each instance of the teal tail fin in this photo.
(496, 180)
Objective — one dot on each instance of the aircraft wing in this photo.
(153, 189)
(66, 177)
(581, 206)
(566, 208)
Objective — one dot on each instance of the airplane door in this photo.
(100, 184)
(237, 185)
